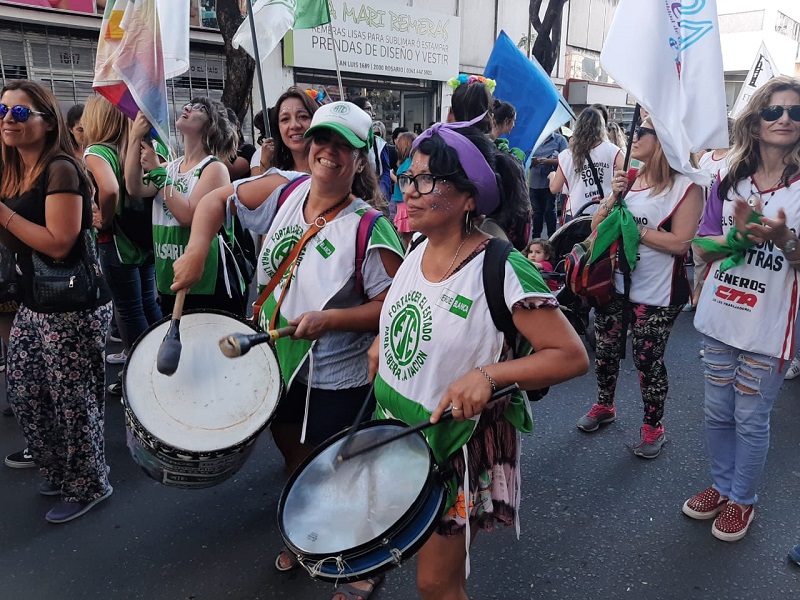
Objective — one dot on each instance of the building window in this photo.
(743, 21)
(788, 27)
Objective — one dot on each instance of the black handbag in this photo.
(9, 278)
(71, 284)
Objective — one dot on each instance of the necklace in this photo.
(452, 262)
(755, 194)
(321, 216)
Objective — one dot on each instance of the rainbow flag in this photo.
(129, 70)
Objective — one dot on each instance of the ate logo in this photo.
(737, 296)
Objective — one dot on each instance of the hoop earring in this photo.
(469, 224)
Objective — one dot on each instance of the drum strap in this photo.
(290, 264)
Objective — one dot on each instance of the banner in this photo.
(523, 82)
(760, 73)
(667, 55)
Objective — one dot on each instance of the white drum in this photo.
(196, 428)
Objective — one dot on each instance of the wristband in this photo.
(158, 177)
(488, 377)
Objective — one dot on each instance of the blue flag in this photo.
(523, 82)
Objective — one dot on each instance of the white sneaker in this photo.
(117, 359)
(794, 369)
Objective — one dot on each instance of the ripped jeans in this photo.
(740, 389)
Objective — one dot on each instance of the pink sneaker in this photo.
(653, 439)
(733, 522)
(599, 415)
(705, 505)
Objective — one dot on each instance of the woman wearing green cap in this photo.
(334, 307)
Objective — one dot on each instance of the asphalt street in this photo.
(597, 522)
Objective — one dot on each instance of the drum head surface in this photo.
(211, 402)
(332, 506)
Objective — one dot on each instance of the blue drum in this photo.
(349, 520)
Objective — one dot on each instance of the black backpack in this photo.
(494, 272)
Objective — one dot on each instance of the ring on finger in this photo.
(455, 408)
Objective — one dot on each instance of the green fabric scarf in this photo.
(618, 223)
(734, 247)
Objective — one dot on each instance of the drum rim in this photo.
(431, 481)
(387, 565)
(129, 413)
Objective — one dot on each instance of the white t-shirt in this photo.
(581, 186)
(711, 167)
(753, 306)
(659, 278)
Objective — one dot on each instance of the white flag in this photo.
(667, 54)
(174, 18)
(761, 72)
(274, 18)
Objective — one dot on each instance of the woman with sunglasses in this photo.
(457, 174)
(747, 317)
(56, 372)
(666, 207)
(589, 154)
(178, 187)
(334, 307)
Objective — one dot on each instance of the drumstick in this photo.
(446, 416)
(343, 450)
(237, 344)
(169, 352)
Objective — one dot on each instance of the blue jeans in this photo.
(740, 389)
(133, 289)
(543, 204)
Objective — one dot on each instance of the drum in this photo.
(196, 428)
(354, 519)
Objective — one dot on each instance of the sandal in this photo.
(293, 562)
(351, 592)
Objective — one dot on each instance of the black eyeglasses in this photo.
(196, 106)
(20, 114)
(640, 131)
(773, 113)
(423, 183)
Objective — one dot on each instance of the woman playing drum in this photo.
(324, 364)
(436, 304)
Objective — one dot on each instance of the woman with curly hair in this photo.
(208, 137)
(587, 166)
(748, 316)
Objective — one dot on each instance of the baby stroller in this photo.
(579, 314)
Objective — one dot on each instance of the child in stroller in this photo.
(561, 241)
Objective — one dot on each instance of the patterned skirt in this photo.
(492, 453)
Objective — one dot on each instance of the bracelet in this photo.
(11, 216)
(643, 232)
(488, 377)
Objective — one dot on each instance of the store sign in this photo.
(84, 6)
(380, 38)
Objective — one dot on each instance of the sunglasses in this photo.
(773, 113)
(423, 183)
(196, 106)
(640, 131)
(20, 114)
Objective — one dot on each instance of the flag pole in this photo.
(634, 122)
(258, 66)
(335, 55)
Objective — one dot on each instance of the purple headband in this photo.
(472, 161)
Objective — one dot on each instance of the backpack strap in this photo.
(415, 241)
(365, 227)
(289, 188)
(494, 272)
